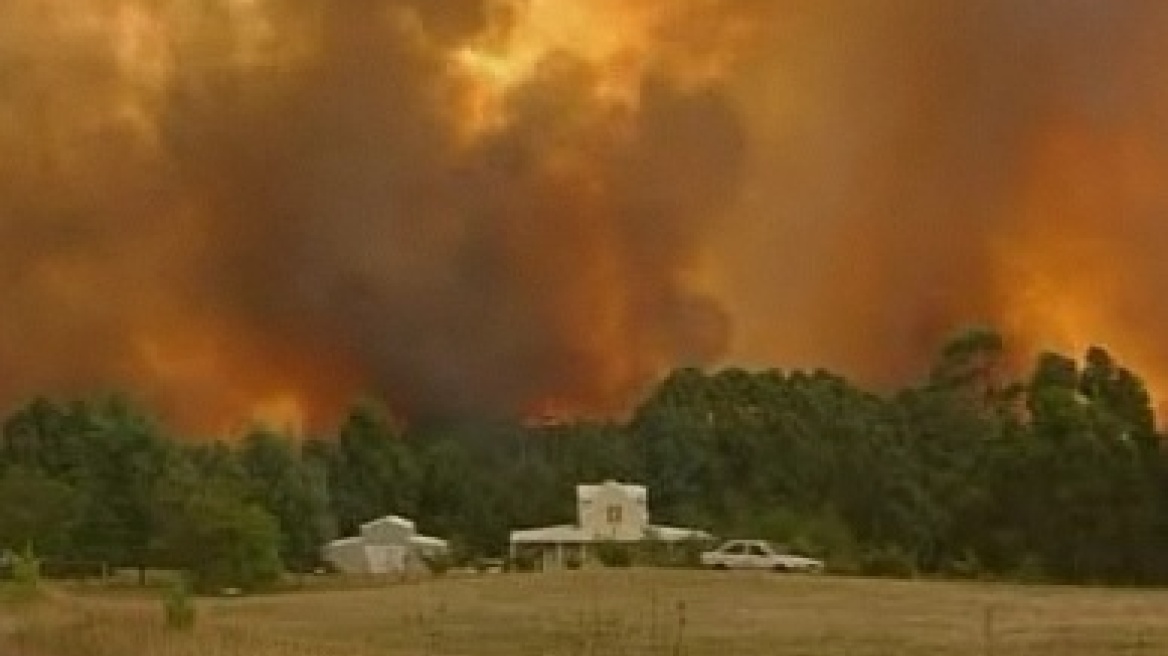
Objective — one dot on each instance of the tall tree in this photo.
(126, 460)
(370, 470)
(293, 490)
(222, 541)
(35, 511)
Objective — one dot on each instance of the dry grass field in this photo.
(613, 613)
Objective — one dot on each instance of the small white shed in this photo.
(389, 545)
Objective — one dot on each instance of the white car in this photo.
(758, 554)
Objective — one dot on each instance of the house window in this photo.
(614, 514)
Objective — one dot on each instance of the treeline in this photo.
(1058, 475)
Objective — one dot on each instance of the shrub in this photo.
(968, 566)
(179, 607)
(613, 554)
(437, 564)
(489, 565)
(524, 560)
(1031, 569)
(26, 575)
(889, 560)
(658, 553)
(73, 569)
(224, 543)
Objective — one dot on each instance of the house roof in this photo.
(565, 534)
(589, 492)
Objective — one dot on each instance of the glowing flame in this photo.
(219, 383)
(620, 41)
(524, 35)
(282, 412)
(1065, 271)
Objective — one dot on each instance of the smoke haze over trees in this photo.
(265, 208)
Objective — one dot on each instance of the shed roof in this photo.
(428, 541)
(393, 520)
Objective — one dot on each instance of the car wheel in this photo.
(781, 569)
(721, 566)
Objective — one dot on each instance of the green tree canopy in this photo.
(223, 542)
(35, 511)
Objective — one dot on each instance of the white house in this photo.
(610, 512)
(390, 545)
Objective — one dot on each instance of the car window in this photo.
(735, 549)
(757, 550)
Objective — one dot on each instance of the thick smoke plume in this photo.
(920, 166)
(263, 208)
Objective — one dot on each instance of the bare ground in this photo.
(620, 613)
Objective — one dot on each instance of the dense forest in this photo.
(1053, 474)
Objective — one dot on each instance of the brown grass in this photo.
(593, 613)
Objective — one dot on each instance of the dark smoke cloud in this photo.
(239, 207)
(294, 209)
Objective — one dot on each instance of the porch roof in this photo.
(677, 534)
(565, 534)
